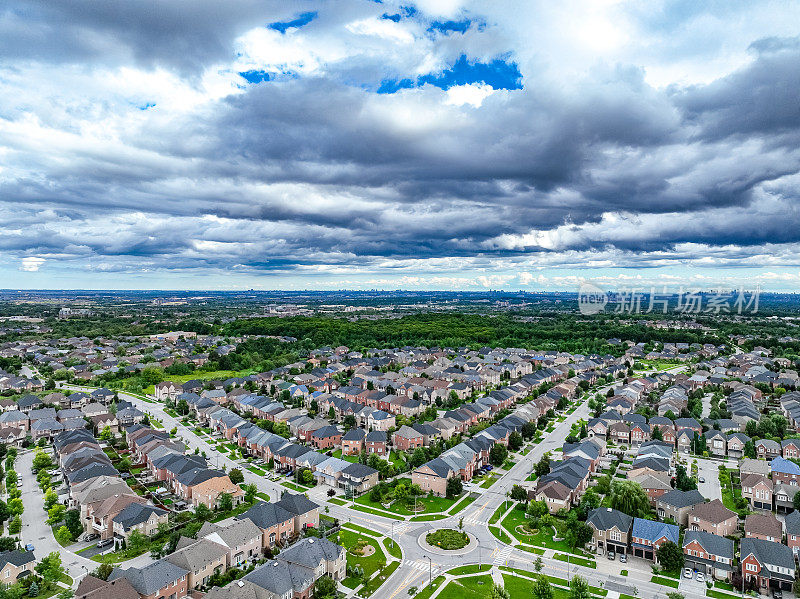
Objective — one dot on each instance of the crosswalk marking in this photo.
(475, 521)
(421, 565)
(501, 557)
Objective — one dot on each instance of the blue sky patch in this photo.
(255, 76)
(498, 73)
(147, 106)
(302, 19)
(450, 26)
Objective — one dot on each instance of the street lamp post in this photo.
(430, 571)
(392, 533)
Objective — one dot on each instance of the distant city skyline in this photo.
(428, 145)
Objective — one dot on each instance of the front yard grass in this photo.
(353, 542)
(667, 582)
(574, 559)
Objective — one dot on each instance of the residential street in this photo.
(35, 529)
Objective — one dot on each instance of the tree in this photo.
(498, 454)
(225, 502)
(50, 567)
(50, 499)
(499, 592)
(137, 542)
(15, 525)
(590, 500)
(250, 493)
(528, 430)
(657, 434)
(72, 520)
(518, 493)
(202, 513)
(33, 590)
(324, 588)
(307, 477)
(538, 564)
(236, 476)
(579, 588)
(182, 407)
(103, 571)
(543, 465)
(63, 536)
(541, 588)
(454, 486)
(628, 497)
(4, 513)
(42, 461)
(105, 435)
(670, 557)
(56, 513)
(15, 506)
(675, 595)
(750, 449)
(349, 421)
(418, 458)
(683, 481)
(331, 413)
(515, 441)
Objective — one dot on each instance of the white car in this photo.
(700, 577)
(688, 573)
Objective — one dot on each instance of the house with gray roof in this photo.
(610, 530)
(159, 579)
(768, 564)
(708, 553)
(677, 505)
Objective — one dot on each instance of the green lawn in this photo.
(518, 586)
(430, 504)
(393, 549)
(724, 585)
(361, 529)
(720, 595)
(350, 539)
(262, 495)
(368, 510)
(375, 583)
(429, 590)
(574, 559)
(470, 569)
(255, 470)
(294, 487)
(667, 582)
(543, 538)
(463, 503)
(499, 534)
(497, 513)
(427, 517)
(472, 587)
(336, 501)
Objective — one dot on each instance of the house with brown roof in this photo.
(763, 526)
(758, 490)
(713, 517)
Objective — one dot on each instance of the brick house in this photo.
(713, 517)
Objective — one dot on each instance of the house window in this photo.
(752, 568)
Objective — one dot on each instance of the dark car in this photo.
(777, 594)
(331, 492)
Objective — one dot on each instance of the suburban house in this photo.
(758, 489)
(763, 526)
(713, 517)
(648, 535)
(770, 565)
(14, 565)
(708, 553)
(610, 530)
(677, 505)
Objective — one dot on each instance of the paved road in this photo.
(35, 529)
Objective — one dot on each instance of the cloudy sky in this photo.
(436, 144)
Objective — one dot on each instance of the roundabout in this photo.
(447, 541)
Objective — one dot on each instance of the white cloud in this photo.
(31, 264)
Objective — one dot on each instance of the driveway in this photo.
(709, 470)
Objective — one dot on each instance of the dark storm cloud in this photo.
(186, 34)
(307, 170)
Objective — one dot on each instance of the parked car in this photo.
(611, 555)
(488, 467)
(688, 573)
(777, 594)
(331, 492)
(29, 547)
(623, 558)
(700, 577)
(91, 536)
(702, 479)
(105, 543)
